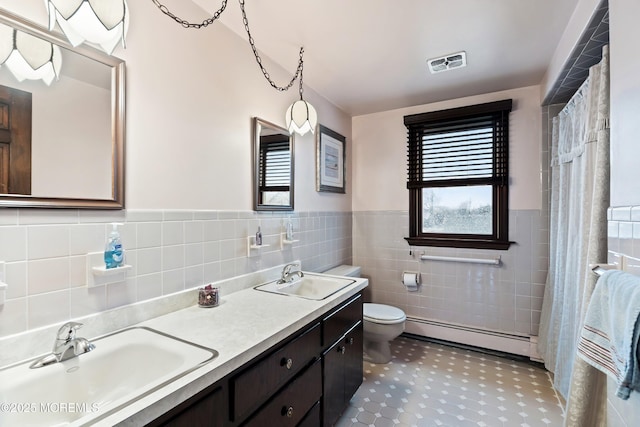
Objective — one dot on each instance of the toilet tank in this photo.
(345, 270)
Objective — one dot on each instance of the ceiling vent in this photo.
(449, 62)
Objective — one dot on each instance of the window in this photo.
(458, 177)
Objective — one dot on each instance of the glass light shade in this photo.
(101, 22)
(29, 57)
(301, 117)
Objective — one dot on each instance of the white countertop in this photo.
(244, 325)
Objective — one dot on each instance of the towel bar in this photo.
(492, 261)
(599, 269)
(620, 262)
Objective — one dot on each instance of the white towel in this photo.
(609, 337)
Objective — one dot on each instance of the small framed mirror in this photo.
(273, 167)
(62, 145)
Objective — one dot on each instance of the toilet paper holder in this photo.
(411, 280)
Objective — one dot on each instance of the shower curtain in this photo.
(578, 237)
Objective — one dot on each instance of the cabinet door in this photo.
(352, 362)
(342, 374)
(333, 392)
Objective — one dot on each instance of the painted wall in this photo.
(191, 96)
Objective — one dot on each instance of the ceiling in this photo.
(366, 56)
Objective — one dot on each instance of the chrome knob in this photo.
(350, 341)
(342, 349)
(288, 412)
(286, 362)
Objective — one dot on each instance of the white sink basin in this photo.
(311, 286)
(124, 367)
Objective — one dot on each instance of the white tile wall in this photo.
(507, 298)
(45, 254)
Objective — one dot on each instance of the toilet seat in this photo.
(382, 314)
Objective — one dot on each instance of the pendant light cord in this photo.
(216, 15)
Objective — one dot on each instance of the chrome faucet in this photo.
(65, 346)
(288, 276)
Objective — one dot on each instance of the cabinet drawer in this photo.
(289, 406)
(312, 419)
(256, 384)
(338, 322)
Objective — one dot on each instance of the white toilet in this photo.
(382, 323)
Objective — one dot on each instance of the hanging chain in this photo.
(187, 24)
(216, 15)
(259, 60)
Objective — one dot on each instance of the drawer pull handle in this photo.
(350, 341)
(287, 411)
(286, 362)
(342, 349)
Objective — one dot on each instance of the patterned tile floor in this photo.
(429, 384)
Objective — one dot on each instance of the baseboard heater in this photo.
(484, 338)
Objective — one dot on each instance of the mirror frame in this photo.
(257, 206)
(117, 124)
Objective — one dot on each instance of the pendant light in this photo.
(29, 57)
(101, 22)
(301, 117)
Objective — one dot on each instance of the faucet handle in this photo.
(67, 332)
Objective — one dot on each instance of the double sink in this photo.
(124, 367)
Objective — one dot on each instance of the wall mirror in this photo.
(75, 142)
(272, 167)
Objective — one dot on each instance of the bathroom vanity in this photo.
(306, 379)
(267, 359)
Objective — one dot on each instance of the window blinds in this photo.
(461, 146)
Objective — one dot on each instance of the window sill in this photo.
(459, 243)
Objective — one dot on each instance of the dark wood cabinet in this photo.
(207, 408)
(342, 374)
(288, 407)
(337, 322)
(353, 375)
(306, 380)
(312, 419)
(255, 384)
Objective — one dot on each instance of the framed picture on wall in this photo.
(330, 160)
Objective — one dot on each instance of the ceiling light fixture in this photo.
(29, 57)
(102, 22)
(301, 117)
